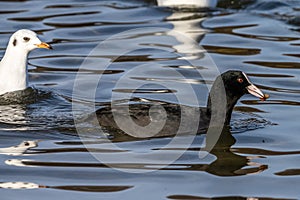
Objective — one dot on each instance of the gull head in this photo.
(27, 40)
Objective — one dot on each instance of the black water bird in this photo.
(150, 120)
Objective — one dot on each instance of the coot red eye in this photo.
(240, 80)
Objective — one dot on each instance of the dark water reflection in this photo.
(227, 162)
(41, 155)
(182, 197)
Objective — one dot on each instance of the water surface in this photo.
(260, 159)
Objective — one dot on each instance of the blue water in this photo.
(259, 160)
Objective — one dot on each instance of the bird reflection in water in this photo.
(14, 108)
(229, 163)
(79, 188)
(20, 149)
(13, 117)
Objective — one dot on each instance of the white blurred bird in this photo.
(190, 3)
(13, 66)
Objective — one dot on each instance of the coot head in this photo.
(227, 89)
(237, 84)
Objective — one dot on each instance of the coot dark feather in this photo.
(227, 89)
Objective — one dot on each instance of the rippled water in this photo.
(42, 156)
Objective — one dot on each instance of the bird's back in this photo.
(168, 119)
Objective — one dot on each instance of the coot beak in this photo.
(252, 89)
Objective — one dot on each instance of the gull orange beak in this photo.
(44, 45)
(252, 89)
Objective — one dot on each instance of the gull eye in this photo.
(26, 39)
(240, 80)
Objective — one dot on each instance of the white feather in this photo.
(13, 66)
(192, 3)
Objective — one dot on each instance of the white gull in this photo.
(13, 66)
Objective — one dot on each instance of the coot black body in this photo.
(148, 119)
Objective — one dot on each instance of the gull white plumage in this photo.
(190, 3)
(13, 66)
